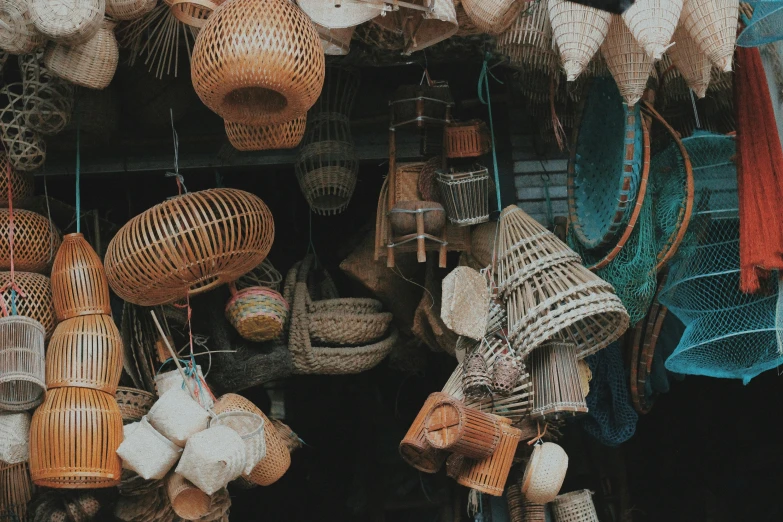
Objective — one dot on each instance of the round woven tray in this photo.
(348, 329)
(70, 22)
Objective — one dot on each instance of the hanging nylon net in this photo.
(765, 26)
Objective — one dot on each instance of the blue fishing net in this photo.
(611, 418)
(766, 25)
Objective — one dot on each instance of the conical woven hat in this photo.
(713, 25)
(579, 31)
(339, 14)
(652, 23)
(628, 62)
(693, 65)
(528, 41)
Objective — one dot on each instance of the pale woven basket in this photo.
(213, 458)
(14, 437)
(579, 31)
(628, 62)
(576, 506)
(69, 22)
(652, 24)
(250, 427)
(713, 26)
(20, 35)
(147, 452)
(493, 16)
(91, 63)
(177, 416)
(544, 473)
(692, 64)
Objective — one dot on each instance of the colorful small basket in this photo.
(257, 313)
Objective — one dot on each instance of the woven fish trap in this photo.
(652, 24)
(338, 95)
(713, 26)
(628, 61)
(258, 84)
(74, 438)
(250, 428)
(79, 284)
(24, 147)
(193, 13)
(90, 64)
(690, 61)
(22, 183)
(257, 313)
(335, 42)
(452, 426)
(579, 31)
(188, 245)
(414, 448)
(286, 135)
(134, 404)
(557, 390)
(465, 194)
(85, 351)
(16, 490)
(35, 239)
(764, 27)
(467, 139)
(576, 506)
(489, 475)
(476, 381)
(277, 459)
(492, 16)
(18, 35)
(48, 100)
(327, 164)
(544, 473)
(69, 22)
(129, 9)
(550, 293)
(22, 384)
(528, 40)
(38, 301)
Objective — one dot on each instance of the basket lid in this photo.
(339, 14)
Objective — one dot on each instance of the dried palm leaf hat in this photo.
(339, 14)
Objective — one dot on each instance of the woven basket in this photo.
(690, 61)
(22, 384)
(90, 64)
(265, 275)
(254, 83)
(37, 304)
(134, 404)
(414, 448)
(286, 135)
(129, 9)
(277, 458)
(345, 305)
(465, 302)
(467, 139)
(489, 475)
(177, 416)
(422, 104)
(492, 16)
(652, 24)
(465, 194)
(149, 261)
(69, 22)
(505, 375)
(213, 458)
(579, 31)
(528, 41)
(35, 238)
(16, 490)
(628, 62)
(19, 36)
(187, 501)
(79, 284)
(713, 26)
(452, 426)
(335, 42)
(257, 313)
(348, 329)
(22, 183)
(576, 506)
(147, 452)
(87, 352)
(482, 243)
(250, 427)
(25, 148)
(339, 15)
(14, 437)
(74, 438)
(544, 473)
(165, 381)
(193, 13)
(48, 100)
(557, 389)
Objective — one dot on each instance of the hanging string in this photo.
(78, 178)
(695, 112)
(310, 243)
(176, 175)
(484, 97)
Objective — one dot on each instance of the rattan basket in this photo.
(90, 64)
(414, 448)
(528, 41)
(24, 147)
(14, 437)
(467, 139)
(628, 62)
(22, 183)
(579, 31)
(690, 61)
(70, 22)
(134, 404)
(16, 490)
(465, 194)
(576, 506)
(48, 99)
(150, 261)
(35, 238)
(544, 473)
(19, 35)
(129, 9)
(249, 426)
(186, 499)
(286, 135)
(272, 75)
(22, 383)
(348, 329)
(85, 351)
(79, 284)
(38, 301)
(492, 16)
(713, 26)
(257, 313)
(265, 275)
(489, 475)
(74, 438)
(345, 305)
(652, 24)
(335, 42)
(193, 12)
(557, 389)
(148, 453)
(452, 426)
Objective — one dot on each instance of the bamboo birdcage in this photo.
(25, 148)
(492, 16)
(79, 284)
(90, 64)
(16, 490)
(48, 99)
(70, 22)
(22, 183)
(556, 383)
(35, 238)
(713, 26)
(489, 475)
(628, 62)
(152, 260)
(414, 448)
(18, 34)
(286, 135)
(652, 24)
(74, 438)
(258, 84)
(37, 303)
(690, 61)
(22, 376)
(452, 426)
(579, 31)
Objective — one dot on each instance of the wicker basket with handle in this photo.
(414, 448)
(579, 31)
(79, 284)
(70, 22)
(489, 475)
(22, 384)
(38, 301)
(90, 64)
(19, 34)
(286, 135)
(35, 238)
(450, 425)
(24, 147)
(134, 404)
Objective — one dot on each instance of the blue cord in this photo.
(483, 88)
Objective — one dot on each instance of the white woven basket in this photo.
(177, 416)
(14, 437)
(250, 427)
(146, 451)
(579, 31)
(213, 458)
(544, 473)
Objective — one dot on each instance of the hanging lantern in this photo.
(79, 281)
(35, 241)
(286, 135)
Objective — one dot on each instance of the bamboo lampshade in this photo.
(271, 75)
(557, 389)
(193, 12)
(69, 22)
(22, 184)
(652, 24)
(37, 303)
(188, 245)
(85, 351)
(18, 35)
(690, 61)
(713, 26)
(25, 148)
(90, 64)
(79, 284)
(286, 135)
(492, 16)
(21, 363)
(74, 436)
(628, 62)
(35, 240)
(16, 490)
(579, 31)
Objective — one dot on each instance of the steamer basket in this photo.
(134, 404)
(450, 425)
(258, 314)
(79, 284)
(86, 352)
(469, 139)
(91, 63)
(213, 458)
(414, 448)
(89, 422)
(38, 303)
(576, 506)
(466, 195)
(579, 31)
(544, 473)
(492, 16)
(16, 490)
(186, 499)
(35, 239)
(652, 24)
(557, 389)
(286, 135)
(22, 184)
(48, 100)
(235, 230)
(20, 36)
(70, 22)
(489, 475)
(25, 148)
(22, 384)
(147, 452)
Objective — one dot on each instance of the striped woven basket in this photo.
(257, 313)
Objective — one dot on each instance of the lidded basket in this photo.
(273, 73)
(19, 34)
(544, 473)
(188, 245)
(22, 384)
(70, 22)
(91, 63)
(79, 284)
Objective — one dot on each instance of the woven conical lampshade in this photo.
(713, 26)
(628, 62)
(652, 24)
(579, 31)
(79, 284)
(528, 41)
(693, 65)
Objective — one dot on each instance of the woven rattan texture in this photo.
(414, 448)
(713, 26)
(346, 329)
(70, 22)
(37, 303)
(628, 62)
(286, 135)
(528, 41)
(271, 75)
(544, 473)
(690, 61)
(90, 64)
(492, 16)
(465, 194)
(22, 184)
(21, 363)
(79, 284)
(187, 500)
(466, 25)
(467, 139)
(489, 475)
(35, 238)
(193, 13)
(48, 99)
(16, 490)
(25, 148)
(134, 404)
(576, 506)
(257, 313)
(452, 426)
(557, 388)
(579, 31)
(652, 24)
(129, 9)
(338, 16)
(161, 255)
(74, 438)
(19, 34)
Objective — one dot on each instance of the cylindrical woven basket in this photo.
(14, 437)
(22, 184)
(90, 64)
(48, 99)
(177, 416)
(22, 384)
(25, 148)
(147, 452)
(579, 31)
(213, 458)
(35, 239)
(271, 75)
(557, 389)
(414, 448)
(74, 438)
(476, 381)
(277, 459)
(492, 16)
(544, 473)
(70, 22)
(576, 506)
(450, 425)
(467, 139)
(129, 9)
(628, 62)
(188, 245)
(286, 135)
(134, 404)
(85, 351)
(713, 26)
(250, 427)
(652, 24)
(465, 194)
(38, 301)
(489, 475)
(20, 35)
(193, 12)
(187, 500)
(257, 313)
(16, 490)
(690, 61)
(528, 41)
(79, 284)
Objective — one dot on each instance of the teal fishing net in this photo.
(765, 27)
